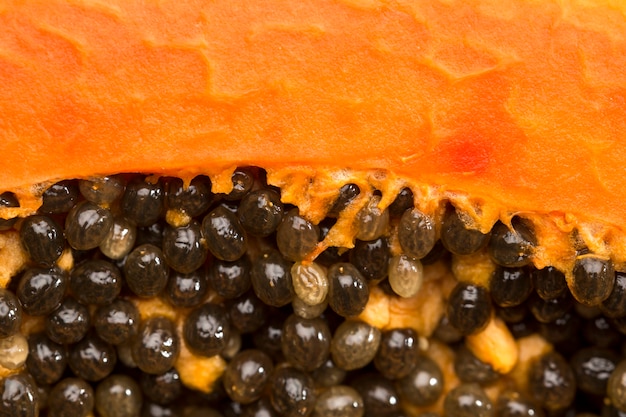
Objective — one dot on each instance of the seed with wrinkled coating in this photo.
(13, 351)
(593, 279)
(296, 237)
(69, 322)
(406, 275)
(371, 221)
(224, 235)
(120, 240)
(416, 233)
(310, 282)
(87, 225)
(96, 281)
(183, 247)
(41, 290)
(348, 291)
(42, 238)
(146, 271)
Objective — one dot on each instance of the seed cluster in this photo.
(233, 267)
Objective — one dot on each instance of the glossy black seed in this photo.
(42, 238)
(87, 225)
(551, 382)
(403, 201)
(187, 290)
(268, 337)
(549, 282)
(224, 234)
(379, 395)
(146, 271)
(92, 358)
(117, 322)
(156, 346)
(247, 375)
(306, 342)
(19, 397)
(118, 396)
(546, 311)
(102, 190)
(397, 353)
(248, 313)
(193, 200)
(8, 199)
(347, 192)
(615, 305)
(231, 279)
(348, 291)
(207, 329)
(71, 397)
(296, 237)
(162, 388)
(469, 308)
(59, 198)
(68, 323)
(292, 392)
(41, 290)
(592, 367)
(46, 360)
(510, 286)
(339, 401)
(10, 313)
(260, 212)
(354, 345)
(599, 332)
(96, 282)
(467, 400)
(593, 279)
(457, 238)
(142, 202)
(471, 369)
(243, 181)
(416, 233)
(512, 247)
(515, 404)
(565, 329)
(371, 258)
(183, 247)
(271, 279)
(423, 385)
(328, 375)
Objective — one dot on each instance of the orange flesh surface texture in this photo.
(520, 105)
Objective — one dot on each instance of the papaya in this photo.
(209, 203)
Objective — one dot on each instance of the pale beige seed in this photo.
(310, 282)
(372, 222)
(406, 275)
(13, 351)
(302, 309)
(120, 239)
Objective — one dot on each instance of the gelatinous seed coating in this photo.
(371, 258)
(306, 342)
(193, 200)
(162, 388)
(310, 282)
(549, 282)
(339, 401)
(510, 286)
(183, 247)
(296, 237)
(469, 308)
(512, 248)
(207, 329)
(371, 221)
(13, 351)
(102, 190)
(247, 375)
(146, 271)
(187, 290)
(292, 392)
(96, 281)
(593, 279)
(118, 396)
(41, 290)
(231, 279)
(406, 275)
(260, 212)
(302, 309)
(71, 397)
(347, 192)
(547, 311)
(46, 360)
(92, 358)
(248, 313)
(397, 354)
(467, 400)
(10, 313)
(42, 238)
(87, 225)
(118, 322)
(423, 385)
(120, 240)
(471, 369)
(403, 201)
(243, 181)
(19, 396)
(354, 345)
(551, 382)
(224, 235)
(379, 395)
(515, 404)
(156, 346)
(457, 238)
(592, 367)
(271, 279)
(328, 375)
(142, 202)
(416, 233)
(60, 197)
(615, 305)
(348, 291)
(69, 322)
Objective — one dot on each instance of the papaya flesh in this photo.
(508, 113)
